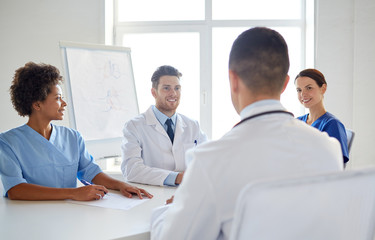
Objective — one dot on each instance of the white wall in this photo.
(30, 30)
(345, 53)
(334, 55)
(364, 82)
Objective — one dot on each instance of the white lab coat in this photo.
(269, 146)
(147, 152)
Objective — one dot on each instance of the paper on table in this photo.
(115, 201)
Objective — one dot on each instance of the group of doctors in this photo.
(41, 161)
(150, 157)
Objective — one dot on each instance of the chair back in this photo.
(337, 206)
(350, 137)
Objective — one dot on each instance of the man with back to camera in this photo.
(155, 142)
(268, 143)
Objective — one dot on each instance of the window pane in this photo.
(222, 109)
(223, 112)
(161, 10)
(292, 36)
(255, 9)
(180, 50)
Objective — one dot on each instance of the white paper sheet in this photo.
(114, 200)
(102, 91)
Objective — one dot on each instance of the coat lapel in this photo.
(151, 120)
(180, 128)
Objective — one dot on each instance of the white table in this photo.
(63, 220)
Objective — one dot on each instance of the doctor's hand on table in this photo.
(97, 192)
(179, 178)
(169, 201)
(89, 192)
(178, 181)
(126, 189)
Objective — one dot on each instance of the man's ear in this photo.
(233, 81)
(153, 92)
(285, 83)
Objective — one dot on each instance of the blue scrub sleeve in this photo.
(10, 170)
(87, 168)
(337, 130)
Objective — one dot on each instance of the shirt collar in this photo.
(161, 117)
(245, 112)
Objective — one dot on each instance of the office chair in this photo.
(337, 206)
(350, 136)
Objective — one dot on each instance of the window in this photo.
(166, 48)
(195, 37)
(256, 10)
(160, 10)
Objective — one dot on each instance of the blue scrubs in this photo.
(330, 124)
(28, 157)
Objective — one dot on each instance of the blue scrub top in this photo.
(330, 124)
(28, 157)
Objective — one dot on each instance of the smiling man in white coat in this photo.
(268, 143)
(155, 142)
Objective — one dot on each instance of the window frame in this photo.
(204, 28)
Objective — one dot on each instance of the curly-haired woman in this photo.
(40, 160)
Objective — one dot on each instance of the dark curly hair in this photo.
(32, 83)
(164, 70)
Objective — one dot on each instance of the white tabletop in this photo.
(63, 220)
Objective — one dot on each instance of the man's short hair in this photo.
(164, 70)
(259, 56)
